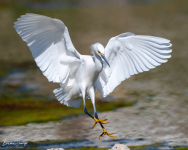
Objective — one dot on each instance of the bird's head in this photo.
(98, 49)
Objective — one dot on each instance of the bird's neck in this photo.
(98, 62)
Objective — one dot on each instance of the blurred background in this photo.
(149, 110)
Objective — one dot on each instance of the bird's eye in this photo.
(100, 53)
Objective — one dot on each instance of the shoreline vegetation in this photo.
(20, 110)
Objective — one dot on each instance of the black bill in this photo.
(105, 59)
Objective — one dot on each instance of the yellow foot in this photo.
(106, 133)
(99, 121)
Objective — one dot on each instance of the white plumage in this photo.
(130, 54)
(127, 54)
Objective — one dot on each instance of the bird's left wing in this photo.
(50, 44)
(130, 54)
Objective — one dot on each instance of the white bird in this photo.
(79, 75)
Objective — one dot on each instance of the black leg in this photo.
(96, 116)
(85, 110)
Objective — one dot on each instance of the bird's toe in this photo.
(106, 133)
(99, 121)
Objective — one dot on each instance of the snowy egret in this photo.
(79, 75)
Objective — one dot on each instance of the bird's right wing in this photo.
(130, 54)
(50, 44)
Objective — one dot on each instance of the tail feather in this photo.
(62, 94)
(74, 103)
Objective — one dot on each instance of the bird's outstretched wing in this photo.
(130, 54)
(50, 44)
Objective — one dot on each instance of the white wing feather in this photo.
(130, 54)
(50, 44)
